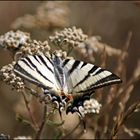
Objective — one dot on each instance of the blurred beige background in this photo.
(110, 20)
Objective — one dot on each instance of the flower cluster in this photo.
(62, 54)
(94, 44)
(35, 47)
(68, 37)
(22, 44)
(14, 40)
(90, 106)
(8, 76)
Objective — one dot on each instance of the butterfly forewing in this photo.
(84, 77)
(38, 69)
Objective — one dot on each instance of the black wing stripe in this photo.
(26, 64)
(35, 56)
(43, 61)
(109, 80)
(87, 76)
(37, 69)
(93, 69)
(49, 60)
(99, 71)
(84, 64)
(18, 69)
(74, 66)
(65, 62)
(82, 80)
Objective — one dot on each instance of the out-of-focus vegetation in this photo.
(112, 42)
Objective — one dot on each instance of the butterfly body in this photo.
(67, 82)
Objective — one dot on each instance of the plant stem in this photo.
(35, 125)
(39, 132)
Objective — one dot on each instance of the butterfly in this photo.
(68, 82)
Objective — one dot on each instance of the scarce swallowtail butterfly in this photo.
(68, 82)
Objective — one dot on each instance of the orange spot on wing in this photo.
(70, 97)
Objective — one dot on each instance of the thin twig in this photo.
(34, 93)
(120, 70)
(39, 132)
(123, 117)
(35, 125)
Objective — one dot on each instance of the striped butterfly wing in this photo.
(37, 69)
(72, 76)
(84, 77)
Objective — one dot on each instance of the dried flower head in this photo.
(14, 40)
(35, 47)
(27, 21)
(22, 43)
(62, 54)
(49, 14)
(8, 76)
(93, 44)
(54, 14)
(90, 106)
(68, 37)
